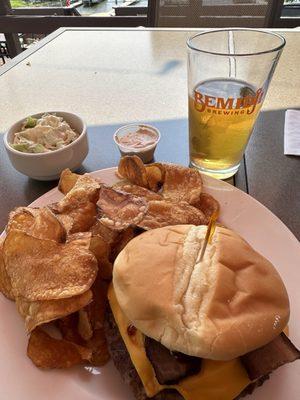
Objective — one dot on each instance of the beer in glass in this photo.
(229, 73)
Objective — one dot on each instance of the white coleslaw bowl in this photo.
(48, 166)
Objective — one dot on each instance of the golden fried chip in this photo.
(43, 269)
(96, 309)
(101, 250)
(98, 345)
(163, 213)
(107, 233)
(120, 242)
(68, 327)
(21, 218)
(82, 238)
(39, 312)
(77, 210)
(207, 204)
(37, 222)
(47, 352)
(85, 329)
(5, 282)
(67, 180)
(155, 176)
(64, 219)
(85, 189)
(120, 209)
(91, 321)
(138, 191)
(132, 168)
(115, 242)
(78, 219)
(181, 184)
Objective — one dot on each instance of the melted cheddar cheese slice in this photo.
(217, 380)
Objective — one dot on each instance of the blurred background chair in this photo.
(216, 13)
(4, 54)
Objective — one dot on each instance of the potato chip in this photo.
(85, 329)
(120, 209)
(101, 250)
(115, 242)
(89, 322)
(42, 269)
(64, 219)
(92, 316)
(207, 204)
(155, 176)
(39, 312)
(21, 218)
(106, 232)
(138, 191)
(37, 222)
(98, 345)
(85, 189)
(5, 282)
(78, 219)
(132, 168)
(124, 237)
(178, 183)
(67, 180)
(163, 213)
(96, 309)
(68, 327)
(77, 210)
(181, 184)
(47, 352)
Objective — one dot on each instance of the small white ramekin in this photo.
(48, 166)
(145, 153)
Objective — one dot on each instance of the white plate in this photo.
(21, 380)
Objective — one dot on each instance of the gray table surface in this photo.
(109, 88)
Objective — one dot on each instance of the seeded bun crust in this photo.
(232, 302)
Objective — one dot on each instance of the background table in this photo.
(113, 77)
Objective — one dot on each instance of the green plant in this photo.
(18, 3)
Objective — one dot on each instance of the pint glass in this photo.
(229, 72)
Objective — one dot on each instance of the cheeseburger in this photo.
(181, 328)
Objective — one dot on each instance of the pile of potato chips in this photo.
(56, 262)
